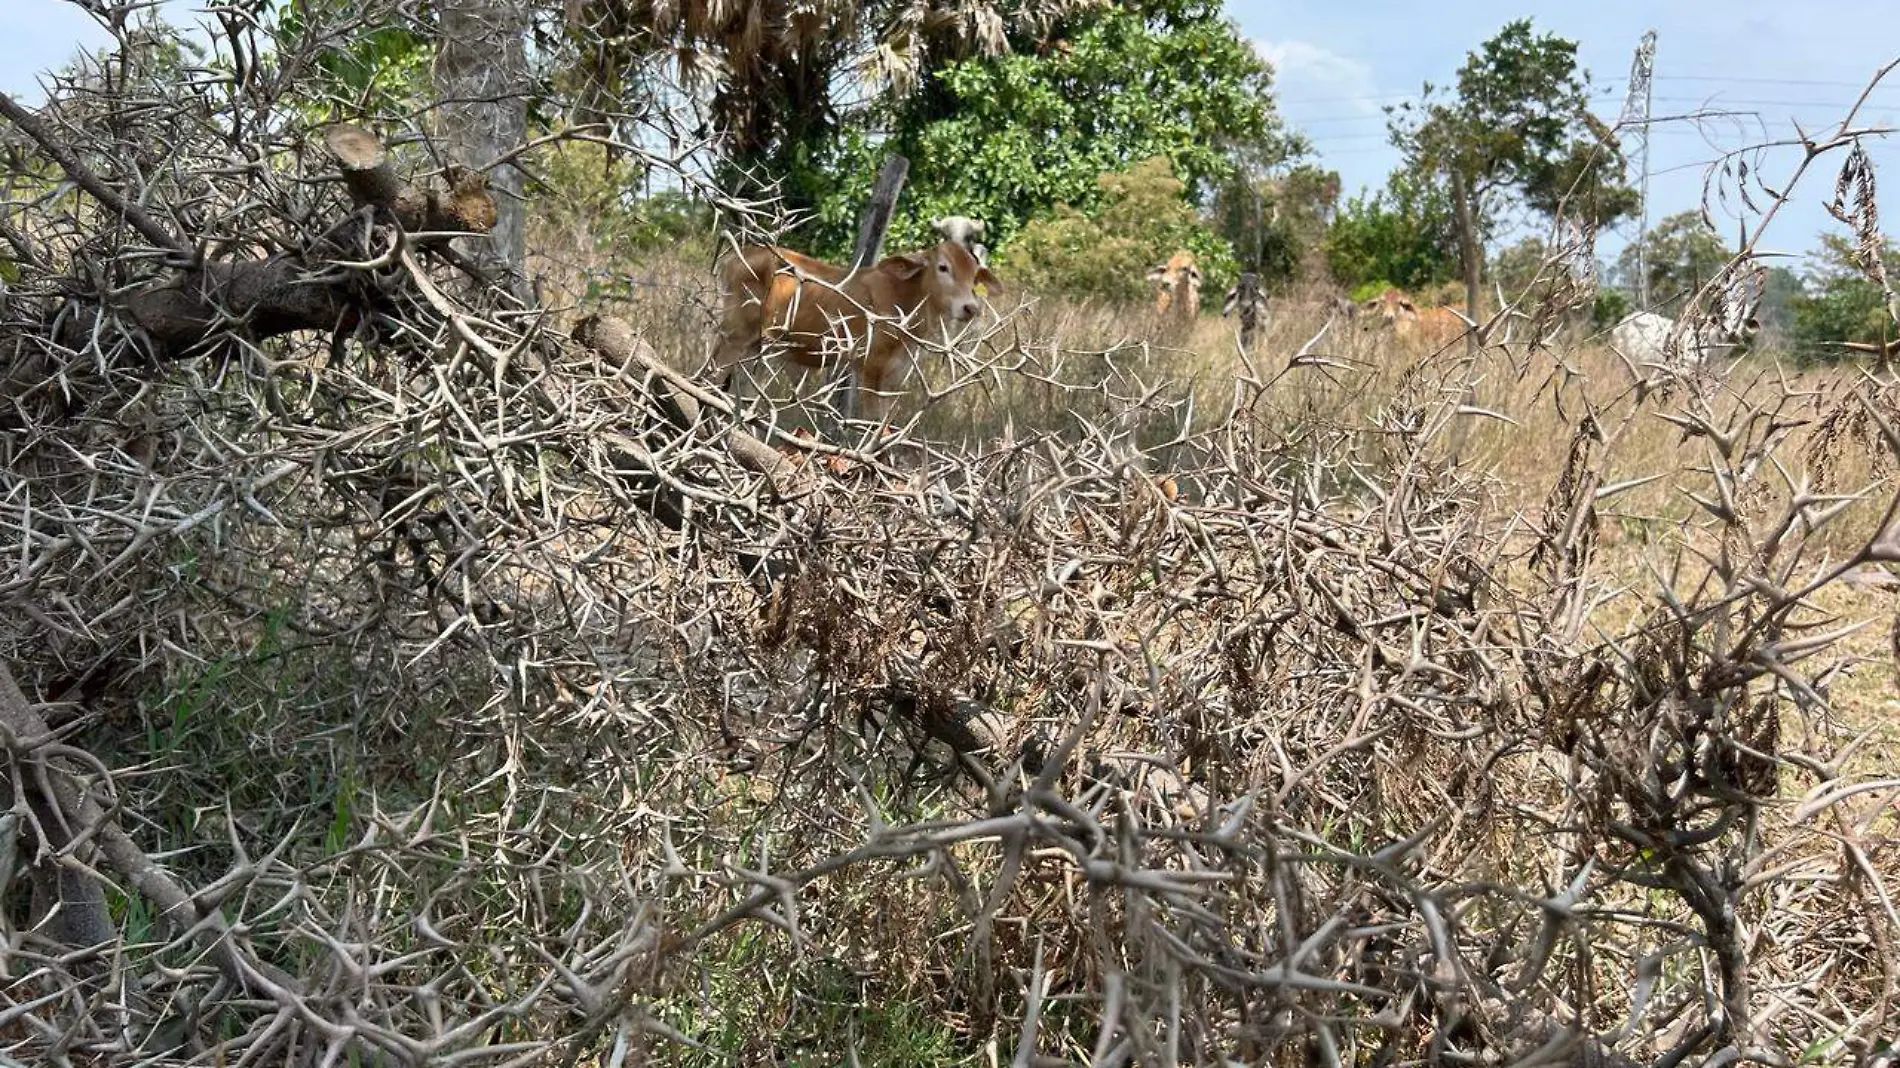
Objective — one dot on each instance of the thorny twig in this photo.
(477, 682)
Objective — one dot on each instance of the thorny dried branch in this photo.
(546, 672)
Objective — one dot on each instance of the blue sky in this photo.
(1772, 61)
(38, 35)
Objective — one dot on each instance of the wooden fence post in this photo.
(877, 214)
(871, 226)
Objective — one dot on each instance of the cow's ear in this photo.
(1157, 274)
(988, 280)
(907, 266)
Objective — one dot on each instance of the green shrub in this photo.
(1840, 304)
(1612, 306)
(586, 191)
(1142, 220)
(1403, 233)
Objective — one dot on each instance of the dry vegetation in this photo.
(468, 685)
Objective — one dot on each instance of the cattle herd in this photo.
(816, 314)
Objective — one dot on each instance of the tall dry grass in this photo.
(1327, 384)
(1046, 364)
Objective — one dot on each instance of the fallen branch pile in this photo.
(393, 675)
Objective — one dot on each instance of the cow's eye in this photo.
(944, 267)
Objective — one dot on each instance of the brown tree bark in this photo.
(1470, 252)
(481, 83)
(284, 294)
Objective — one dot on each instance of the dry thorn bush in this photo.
(437, 685)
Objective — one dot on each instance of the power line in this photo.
(1679, 98)
(1660, 124)
(1754, 102)
(1360, 99)
(1668, 98)
(1364, 150)
(1341, 118)
(1713, 103)
(1769, 81)
(1373, 98)
(1700, 164)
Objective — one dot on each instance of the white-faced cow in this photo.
(1247, 299)
(814, 314)
(964, 231)
(1179, 286)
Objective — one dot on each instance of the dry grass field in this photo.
(1050, 365)
(517, 698)
(1352, 414)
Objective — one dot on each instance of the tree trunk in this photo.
(481, 82)
(1471, 260)
(877, 213)
(1470, 252)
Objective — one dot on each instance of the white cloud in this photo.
(1311, 78)
(1336, 101)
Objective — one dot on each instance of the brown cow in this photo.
(1179, 280)
(1396, 309)
(816, 313)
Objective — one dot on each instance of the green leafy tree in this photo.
(1139, 219)
(778, 74)
(1400, 236)
(1277, 225)
(1841, 303)
(1006, 138)
(1680, 255)
(1518, 122)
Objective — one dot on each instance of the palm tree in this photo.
(772, 69)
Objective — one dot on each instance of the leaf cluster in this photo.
(1106, 254)
(1518, 120)
(1007, 138)
(1680, 254)
(1401, 236)
(1840, 302)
